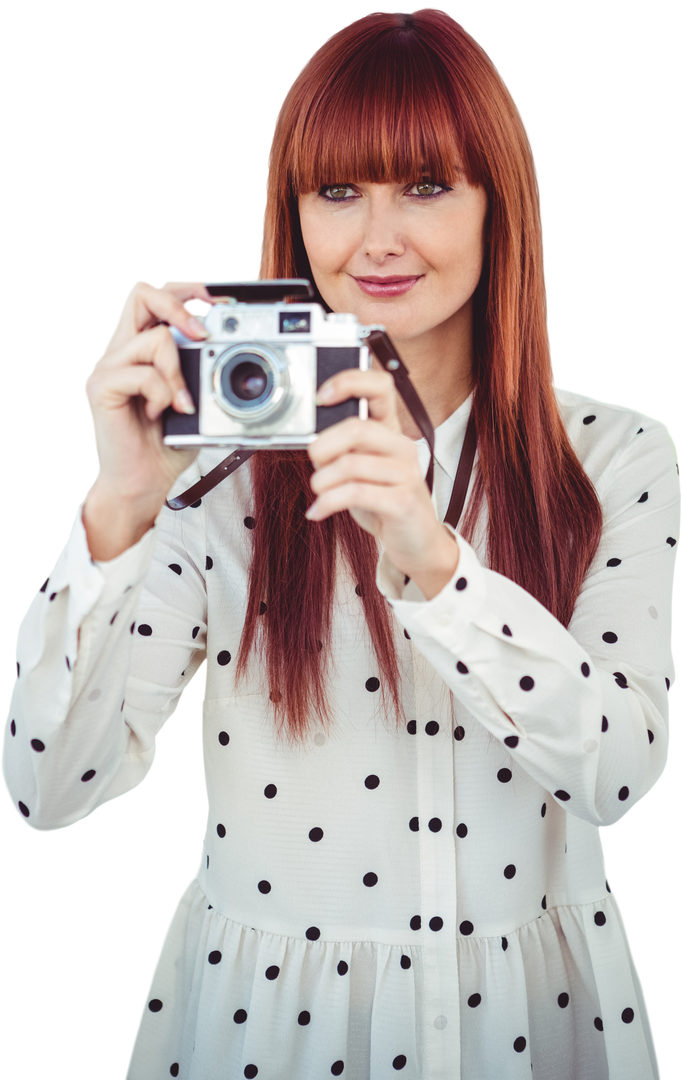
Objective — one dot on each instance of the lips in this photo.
(395, 285)
(389, 281)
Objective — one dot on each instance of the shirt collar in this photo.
(449, 437)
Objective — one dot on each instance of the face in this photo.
(408, 256)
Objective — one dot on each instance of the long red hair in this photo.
(387, 99)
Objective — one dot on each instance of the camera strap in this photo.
(387, 355)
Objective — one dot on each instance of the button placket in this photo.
(435, 771)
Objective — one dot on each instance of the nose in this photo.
(383, 237)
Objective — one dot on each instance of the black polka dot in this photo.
(436, 923)
(651, 735)
(44, 585)
(68, 664)
(609, 637)
(520, 1044)
(505, 944)
(435, 824)
(459, 733)
(416, 922)
(342, 967)
(506, 630)
(155, 1005)
(600, 918)
(370, 880)
(432, 728)
(111, 620)
(304, 1018)
(461, 583)
(196, 504)
(249, 522)
(671, 540)
(24, 809)
(263, 608)
(272, 972)
(264, 887)
(667, 683)
(598, 1023)
(643, 497)
(270, 791)
(209, 562)
(544, 903)
(37, 744)
(312, 933)
(639, 432)
(207, 858)
(13, 728)
(608, 888)
(337, 1068)
(175, 567)
(174, 1069)
(562, 1000)
(358, 590)
(406, 580)
(504, 776)
(224, 657)
(88, 775)
(399, 1062)
(144, 629)
(585, 668)
(405, 962)
(544, 809)
(407, 635)
(412, 727)
(414, 824)
(623, 793)
(512, 741)
(53, 596)
(132, 628)
(223, 738)
(250, 1071)
(604, 724)
(589, 419)
(614, 562)
(462, 668)
(372, 685)
(620, 680)
(510, 871)
(215, 957)
(240, 1016)
(461, 830)
(527, 683)
(372, 781)
(221, 830)
(627, 1016)
(474, 1001)
(561, 794)
(315, 835)
(466, 928)
(18, 669)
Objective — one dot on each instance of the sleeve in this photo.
(583, 710)
(103, 655)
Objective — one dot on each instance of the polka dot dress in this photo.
(428, 902)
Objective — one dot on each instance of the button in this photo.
(444, 620)
(440, 1022)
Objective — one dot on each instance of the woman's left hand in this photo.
(369, 468)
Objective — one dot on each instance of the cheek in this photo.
(458, 249)
(315, 240)
(328, 248)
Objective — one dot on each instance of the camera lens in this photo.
(248, 381)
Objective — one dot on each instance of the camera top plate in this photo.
(260, 292)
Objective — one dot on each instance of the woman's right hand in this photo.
(137, 378)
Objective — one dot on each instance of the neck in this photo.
(440, 369)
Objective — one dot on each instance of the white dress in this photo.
(429, 902)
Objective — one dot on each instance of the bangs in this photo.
(385, 116)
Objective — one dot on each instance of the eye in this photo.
(339, 188)
(336, 188)
(430, 184)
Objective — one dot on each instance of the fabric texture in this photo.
(429, 901)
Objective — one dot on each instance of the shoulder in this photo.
(606, 436)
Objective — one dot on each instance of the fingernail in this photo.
(311, 511)
(325, 393)
(185, 402)
(198, 327)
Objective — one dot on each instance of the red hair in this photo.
(389, 99)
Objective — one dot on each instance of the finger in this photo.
(147, 306)
(361, 436)
(377, 386)
(375, 499)
(352, 382)
(371, 469)
(133, 381)
(155, 348)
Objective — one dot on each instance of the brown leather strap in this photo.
(208, 482)
(463, 475)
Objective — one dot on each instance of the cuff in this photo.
(92, 580)
(448, 615)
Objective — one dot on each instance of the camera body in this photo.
(254, 379)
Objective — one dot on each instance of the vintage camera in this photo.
(254, 379)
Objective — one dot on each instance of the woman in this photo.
(407, 881)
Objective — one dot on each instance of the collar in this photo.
(449, 437)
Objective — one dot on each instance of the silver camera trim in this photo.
(281, 382)
(292, 425)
